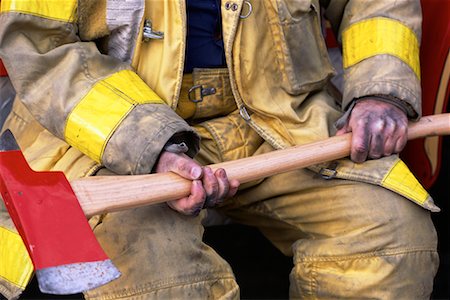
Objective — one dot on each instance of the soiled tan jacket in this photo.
(277, 61)
(277, 57)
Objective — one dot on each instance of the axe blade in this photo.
(65, 253)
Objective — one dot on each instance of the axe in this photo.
(50, 213)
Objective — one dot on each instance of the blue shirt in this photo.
(204, 46)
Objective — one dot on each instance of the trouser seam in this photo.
(318, 258)
(314, 279)
(311, 284)
(140, 290)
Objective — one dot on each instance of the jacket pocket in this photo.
(301, 52)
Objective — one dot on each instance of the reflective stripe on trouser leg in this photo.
(16, 267)
(161, 256)
(348, 239)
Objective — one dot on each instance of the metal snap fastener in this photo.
(149, 33)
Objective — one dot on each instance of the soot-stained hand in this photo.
(209, 188)
(379, 129)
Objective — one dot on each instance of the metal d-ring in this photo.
(249, 10)
(204, 91)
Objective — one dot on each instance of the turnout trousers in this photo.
(348, 240)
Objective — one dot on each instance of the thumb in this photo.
(342, 131)
(342, 125)
(180, 164)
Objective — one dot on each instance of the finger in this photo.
(401, 143)
(211, 184)
(390, 137)
(192, 204)
(377, 139)
(381, 129)
(234, 186)
(376, 146)
(188, 168)
(180, 164)
(402, 137)
(360, 144)
(224, 185)
(389, 146)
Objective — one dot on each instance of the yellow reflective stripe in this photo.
(94, 119)
(400, 179)
(375, 36)
(15, 264)
(61, 10)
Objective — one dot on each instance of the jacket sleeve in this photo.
(94, 102)
(380, 47)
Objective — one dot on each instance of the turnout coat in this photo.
(92, 91)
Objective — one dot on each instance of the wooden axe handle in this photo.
(113, 193)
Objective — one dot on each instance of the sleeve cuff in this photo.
(137, 143)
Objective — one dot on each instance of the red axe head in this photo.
(65, 253)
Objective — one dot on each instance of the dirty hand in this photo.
(379, 129)
(208, 188)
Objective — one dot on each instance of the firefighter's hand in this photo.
(208, 188)
(379, 129)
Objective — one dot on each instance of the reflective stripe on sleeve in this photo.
(400, 179)
(376, 36)
(95, 118)
(60, 10)
(15, 264)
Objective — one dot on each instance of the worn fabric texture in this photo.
(7, 95)
(348, 238)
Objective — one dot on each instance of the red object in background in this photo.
(423, 156)
(2, 70)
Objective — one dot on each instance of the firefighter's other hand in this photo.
(379, 129)
(208, 188)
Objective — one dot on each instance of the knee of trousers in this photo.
(387, 250)
(161, 255)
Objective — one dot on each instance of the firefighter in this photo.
(151, 86)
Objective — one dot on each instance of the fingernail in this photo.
(196, 211)
(196, 172)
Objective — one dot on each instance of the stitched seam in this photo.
(314, 258)
(188, 284)
(161, 285)
(362, 86)
(216, 138)
(313, 280)
(181, 57)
